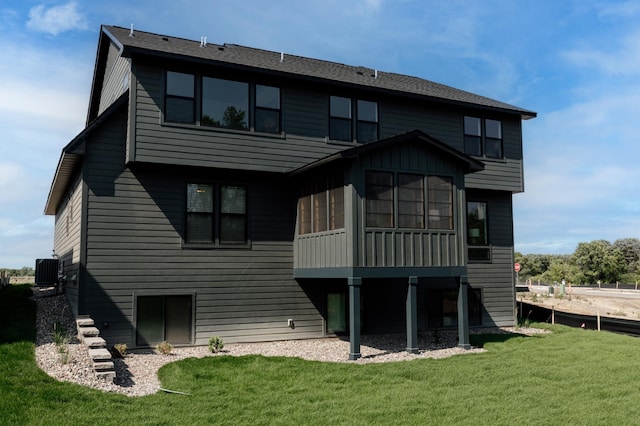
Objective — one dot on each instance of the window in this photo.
(336, 203)
(225, 103)
(379, 199)
(442, 307)
(477, 232)
(440, 202)
(367, 125)
(410, 201)
(320, 207)
(304, 212)
(493, 138)
(199, 213)
(233, 214)
(379, 194)
(340, 118)
(267, 109)
(180, 98)
(202, 218)
(160, 318)
(327, 198)
(472, 136)
(491, 146)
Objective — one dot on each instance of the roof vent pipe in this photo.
(281, 56)
(375, 74)
(203, 41)
(131, 31)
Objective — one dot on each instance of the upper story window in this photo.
(222, 103)
(341, 125)
(267, 109)
(411, 206)
(483, 137)
(216, 214)
(478, 231)
(180, 98)
(367, 125)
(340, 118)
(321, 206)
(225, 103)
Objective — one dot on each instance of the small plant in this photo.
(164, 347)
(215, 344)
(120, 349)
(61, 339)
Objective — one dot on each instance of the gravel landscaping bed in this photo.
(136, 373)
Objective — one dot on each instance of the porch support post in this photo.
(354, 317)
(412, 316)
(463, 313)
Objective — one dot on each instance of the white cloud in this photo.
(621, 61)
(56, 19)
(625, 9)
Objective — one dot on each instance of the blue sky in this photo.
(576, 63)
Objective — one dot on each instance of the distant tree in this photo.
(533, 265)
(630, 248)
(562, 267)
(600, 261)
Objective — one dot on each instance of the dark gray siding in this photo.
(496, 279)
(305, 122)
(66, 240)
(116, 78)
(134, 248)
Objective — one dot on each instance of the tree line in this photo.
(598, 261)
(25, 271)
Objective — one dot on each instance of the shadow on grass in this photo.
(17, 314)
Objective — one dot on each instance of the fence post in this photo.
(553, 314)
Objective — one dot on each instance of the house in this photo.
(222, 190)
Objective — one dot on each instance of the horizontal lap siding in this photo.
(496, 279)
(134, 245)
(66, 239)
(222, 148)
(116, 79)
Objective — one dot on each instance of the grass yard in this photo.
(572, 376)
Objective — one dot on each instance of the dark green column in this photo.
(412, 316)
(463, 313)
(354, 317)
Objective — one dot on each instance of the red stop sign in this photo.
(516, 267)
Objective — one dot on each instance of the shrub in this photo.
(120, 349)
(61, 339)
(164, 347)
(215, 344)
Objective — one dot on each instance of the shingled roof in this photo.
(297, 66)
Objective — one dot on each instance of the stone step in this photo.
(99, 354)
(103, 365)
(95, 342)
(106, 375)
(84, 322)
(88, 332)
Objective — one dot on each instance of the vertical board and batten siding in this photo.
(330, 249)
(398, 247)
(66, 238)
(116, 78)
(134, 247)
(496, 279)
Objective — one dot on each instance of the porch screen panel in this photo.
(379, 199)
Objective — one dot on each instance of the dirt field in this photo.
(610, 303)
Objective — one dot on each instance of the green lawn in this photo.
(572, 376)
